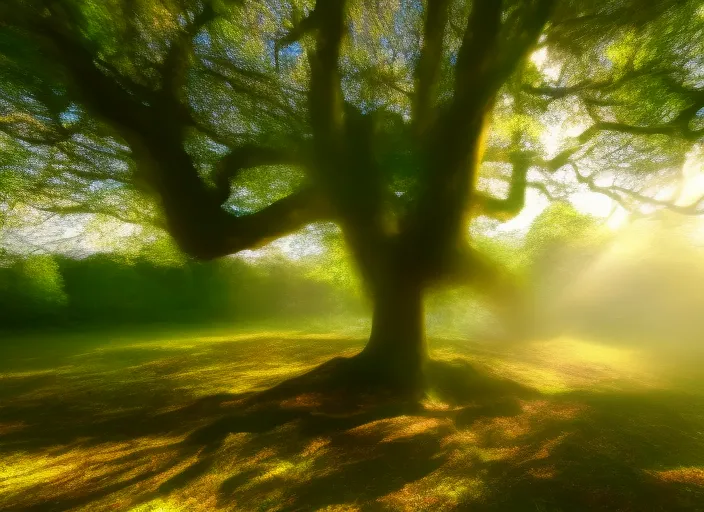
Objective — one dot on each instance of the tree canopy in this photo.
(230, 123)
(216, 119)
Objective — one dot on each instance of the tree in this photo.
(398, 120)
(32, 292)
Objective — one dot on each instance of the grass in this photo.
(222, 420)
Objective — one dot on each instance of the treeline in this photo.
(48, 290)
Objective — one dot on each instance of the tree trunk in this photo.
(397, 351)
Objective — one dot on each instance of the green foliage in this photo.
(334, 265)
(32, 290)
(145, 288)
(562, 226)
(135, 243)
(237, 94)
(39, 279)
(607, 92)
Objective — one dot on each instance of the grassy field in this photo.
(193, 421)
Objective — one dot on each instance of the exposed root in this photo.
(344, 393)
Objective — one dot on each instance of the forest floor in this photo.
(184, 422)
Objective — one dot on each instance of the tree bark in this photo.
(397, 352)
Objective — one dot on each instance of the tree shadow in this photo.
(313, 441)
(123, 394)
(623, 451)
(372, 444)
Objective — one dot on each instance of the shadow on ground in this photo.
(262, 424)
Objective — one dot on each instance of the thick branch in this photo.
(247, 157)
(301, 27)
(478, 50)
(453, 150)
(514, 202)
(98, 91)
(531, 21)
(484, 62)
(280, 218)
(325, 94)
(344, 166)
(428, 68)
(563, 157)
(193, 213)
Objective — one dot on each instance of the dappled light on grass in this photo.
(178, 425)
(561, 364)
(78, 471)
(694, 476)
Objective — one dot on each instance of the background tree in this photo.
(230, 123)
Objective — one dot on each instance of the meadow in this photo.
(200, 419)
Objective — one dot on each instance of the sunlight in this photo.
(347, 256)
(435, 492)
(405, 426)
(541, 60)
(250, 469)
(693, 174)
(693, 475)
(160, 505)
(535, 203)
(566, 363)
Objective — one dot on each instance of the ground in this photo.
(220, 420)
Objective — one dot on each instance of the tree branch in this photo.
(94, 210)
(531, 21)
(677, 127)
(382, 79)
(619, 195)
(514, 202)
(176, 60)
(247, 157)
(193, 212)
(26, 128)
(280, 218)
(558, 92)
(427, 69)
(325, 94)
(478, 50)
(543, 189)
